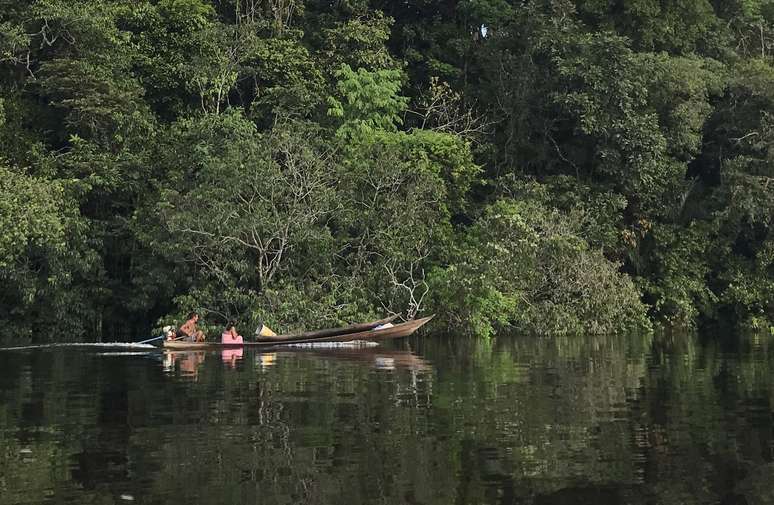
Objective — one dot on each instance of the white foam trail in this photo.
(110, 345)
(123, 353)
(352, 344)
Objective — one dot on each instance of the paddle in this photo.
(150, 340)
(159, 338)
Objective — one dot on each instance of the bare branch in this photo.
(443, 109)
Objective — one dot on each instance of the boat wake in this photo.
(352, 344)
(95, 345)
(128, 353)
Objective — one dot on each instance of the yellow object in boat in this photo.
(265, 331)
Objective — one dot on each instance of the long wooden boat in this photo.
(353, 328)
(372, 335)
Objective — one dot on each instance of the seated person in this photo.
(188, 331)
(230, 335)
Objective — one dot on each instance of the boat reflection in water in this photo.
(187, 363)
(382, 359)
(265, 359)
(231, 356)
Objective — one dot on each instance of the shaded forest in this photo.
(549, 166)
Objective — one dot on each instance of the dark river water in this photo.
(432, 420)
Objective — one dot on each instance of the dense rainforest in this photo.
(540, 166)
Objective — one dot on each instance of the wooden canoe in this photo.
(373, 335)
(354, 328)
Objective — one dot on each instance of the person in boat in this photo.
(230, 335)
(188, 331)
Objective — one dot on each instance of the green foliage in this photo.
(680, 90)
(674, 281)
(524, 266)
(446, 156)
(288, 79)
(749, 286)
(313, 168)
(43, 257)
(395, 218)
(752, 25)
(489, 13)
(101, 103)
(742, 202)
(677, 26)
(31, 216)
(367, 101)
(359, 42)
(249, 208)
(167, 38)
(213, 71)
(13, 42)
(597, 211)
(604, 93)
(187, 15)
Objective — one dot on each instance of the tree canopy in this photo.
(549, 167)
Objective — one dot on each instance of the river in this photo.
(431, 420)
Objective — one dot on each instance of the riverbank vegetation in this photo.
(554, 167)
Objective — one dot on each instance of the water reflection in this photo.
(185, 363)
(377, 357)
(603, 420)
(231, 356)
(265, 359)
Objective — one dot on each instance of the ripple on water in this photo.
(512, 420)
